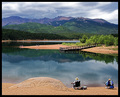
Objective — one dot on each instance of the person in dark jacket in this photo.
(76, 83)
(109, 84)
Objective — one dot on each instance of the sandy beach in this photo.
(101, 49)
(56, 46)
(51, 86)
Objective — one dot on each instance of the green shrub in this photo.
(116, 41)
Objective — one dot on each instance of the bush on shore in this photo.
(107, 40)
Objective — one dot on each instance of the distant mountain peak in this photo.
(45, 18)
(100, 20)
(17, 17)
(59, 18)
(82, 18)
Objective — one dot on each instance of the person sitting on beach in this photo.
(109, 84)
(76, 83)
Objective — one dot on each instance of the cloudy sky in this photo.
(104, 10)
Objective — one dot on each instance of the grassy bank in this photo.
(74, 44)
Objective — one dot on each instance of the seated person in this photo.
(76, 83)
(109, 84)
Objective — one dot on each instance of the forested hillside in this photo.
(63, 25)
(91, 26)
(38, 28)
(17, 34)
(56, 28)
(9, 34)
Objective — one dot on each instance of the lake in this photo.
(91, 68)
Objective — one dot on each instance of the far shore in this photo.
(51, 86)
(29, 40)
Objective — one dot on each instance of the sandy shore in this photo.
(102, 49)
(50, 86)
(56, 46)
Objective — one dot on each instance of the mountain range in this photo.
(60, 24)
(18, 20)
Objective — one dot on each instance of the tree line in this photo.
(10, 34)
(108, 40)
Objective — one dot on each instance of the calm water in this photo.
(92, 69)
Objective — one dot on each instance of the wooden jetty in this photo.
(72, 48)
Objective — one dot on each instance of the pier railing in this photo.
(77, 47)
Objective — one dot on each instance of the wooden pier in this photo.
(72, 48)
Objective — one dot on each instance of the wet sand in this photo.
(51, 86)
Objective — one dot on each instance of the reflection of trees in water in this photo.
(45, 55)
(26, 52)
(116, 58)
(68, 56)
(28, 43)
(99, 57)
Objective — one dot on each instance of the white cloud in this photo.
(54, 9)
(11, 6)
(68, 4)
(103, 3)
(97, 13)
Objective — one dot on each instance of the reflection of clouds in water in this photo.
(13, 58)
(8, 69)
(90, 76)
(89, 72)
(100, 65)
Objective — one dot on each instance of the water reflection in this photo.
(97, 56)
(16, 55)
(92, 69)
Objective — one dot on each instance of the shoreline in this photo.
(29, 40)
(54, 46)
(51, 86)
(101, 50)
